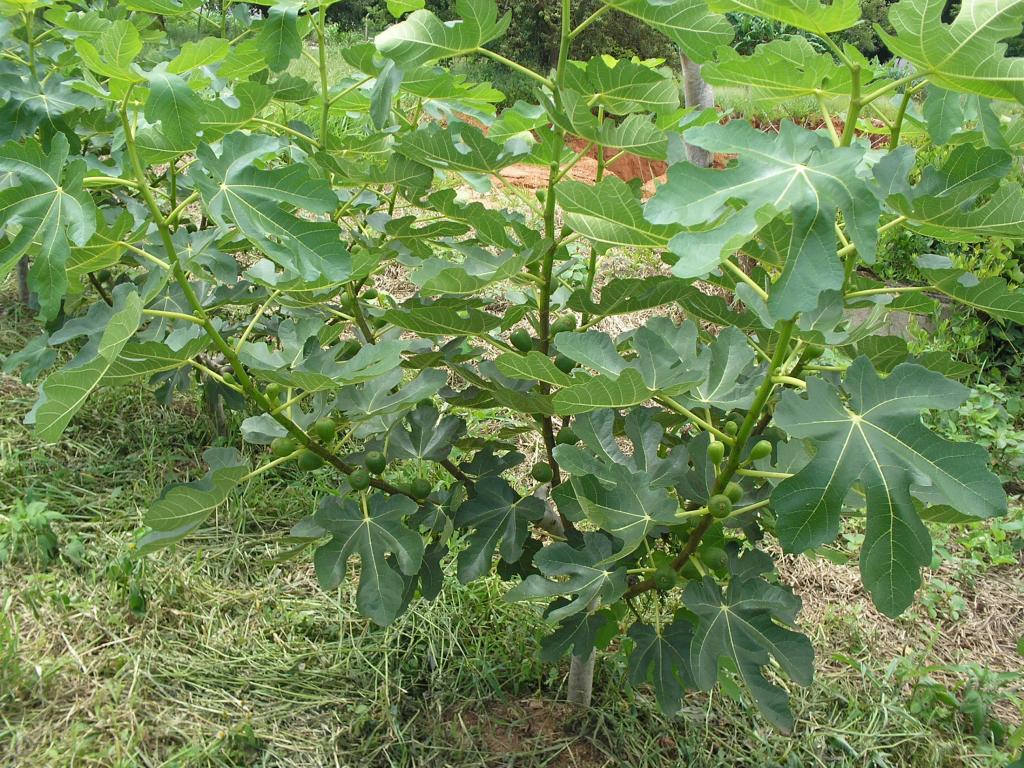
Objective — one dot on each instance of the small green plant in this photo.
(965, 695)
(993, 417)
(201, 213)
(27, 534)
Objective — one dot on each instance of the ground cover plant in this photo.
(198, 214)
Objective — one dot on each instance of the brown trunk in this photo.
(23, 293)
(696, 93)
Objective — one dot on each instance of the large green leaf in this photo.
(499, 519)
(967, 55)
(622, 295)
(622, 87)
(64, 392)
(661, 655)
(201, 53)
(812, 15)
(29, 104)
(533, 366)
(588, 393)
(457, 147)
(600, 452)
(661, 355)
(585, 574)
(215, 119)
(373, 530)
(876, 437)
(722, 371)
(237, 191)
(687, 23)
(278, 35)
(991, 295)
(580, 633)
(962, 199)
(636, 134)
(315, 369)
(625, 504)
(103, 249)
(113, 52)
(174, 106)
(798, 172)
(182, 508)
(429, 435)
(478, 269)
(142, 359)
(423, 37)
(51, 210)
(163, 7)
(443, 318)
(387, 394)
(609, 212)
(784, 68)
(943, 112)
(747, 625)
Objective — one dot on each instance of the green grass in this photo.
(221, 652)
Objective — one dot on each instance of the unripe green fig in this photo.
(665, 578)
(308, 461)
(566, 436)
(375, 462)
(274, 391)
(359, 479)
(564, 324)
(542, 472)
(420, 488)
(734, 491)
(761, 450)
(720, 506)
(564, 364)
(325, 430)
(731, 428)
(715, 558)
(716, 452)
(370, 293)
(283, 446)
(521, 340)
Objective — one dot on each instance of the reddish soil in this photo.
(650, 172)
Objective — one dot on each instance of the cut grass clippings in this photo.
(219, 652)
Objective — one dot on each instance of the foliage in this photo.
(994, 418)
(27, 534)
(226, 220)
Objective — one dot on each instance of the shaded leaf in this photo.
(499, 519)
(584, 574)
(52, 210)
(747, 625)
(371, 533)
(429, 435)
(663, 659)
(64, 392)
(182, 508)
